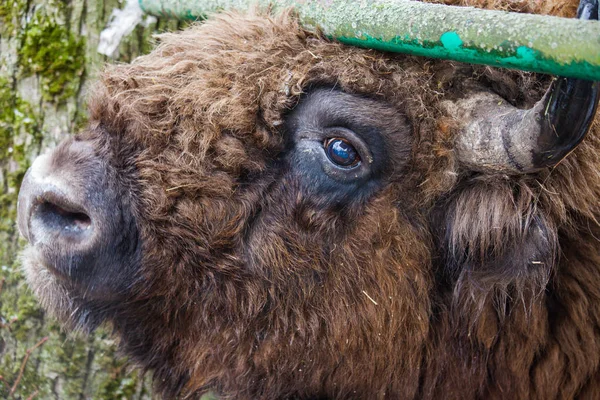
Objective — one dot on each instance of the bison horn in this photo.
(503, 138)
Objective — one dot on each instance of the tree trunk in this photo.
(47, 57)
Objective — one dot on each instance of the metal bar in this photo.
(557, 46)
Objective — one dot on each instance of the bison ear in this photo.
(491, 236)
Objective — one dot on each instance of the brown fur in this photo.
(445, 283)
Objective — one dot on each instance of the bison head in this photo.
(264, 213)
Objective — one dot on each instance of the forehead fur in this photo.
(224, 86)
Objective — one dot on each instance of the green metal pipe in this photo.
(557, 46)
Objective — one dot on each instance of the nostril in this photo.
(57, 218)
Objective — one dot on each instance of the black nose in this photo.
(77, 219)
(56, 208)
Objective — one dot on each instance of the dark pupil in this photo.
(341, 152)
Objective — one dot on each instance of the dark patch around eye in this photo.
(342, 153)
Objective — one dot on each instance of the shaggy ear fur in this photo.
(495, 242)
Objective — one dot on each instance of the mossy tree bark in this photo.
(47, 57)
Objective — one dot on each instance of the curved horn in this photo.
(502, 137)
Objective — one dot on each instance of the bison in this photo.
(264, 213)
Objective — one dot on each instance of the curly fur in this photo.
(447, 283)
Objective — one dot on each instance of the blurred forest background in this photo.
(48, 56)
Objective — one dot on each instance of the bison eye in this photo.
(341, 153)
(341, 142)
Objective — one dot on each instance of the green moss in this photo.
(19, 130)
(47, 48)
(10, 13)
(55, 54)
(122, 383)
(16, 119)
